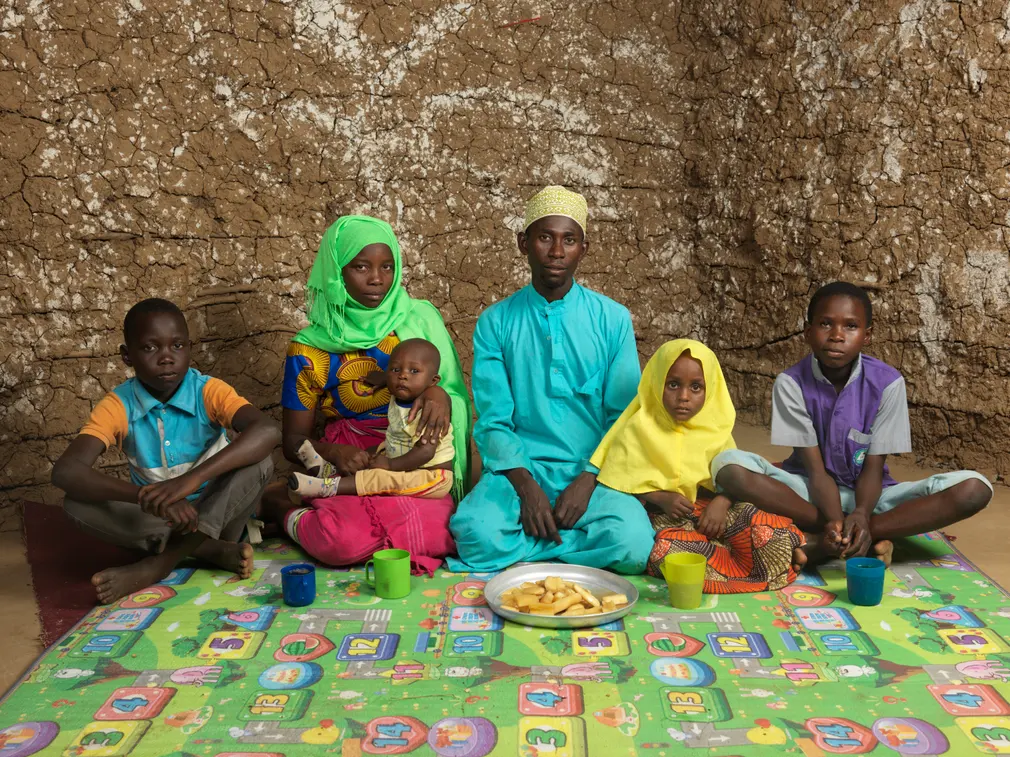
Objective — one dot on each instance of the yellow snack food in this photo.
(555, 596)
(615, 600)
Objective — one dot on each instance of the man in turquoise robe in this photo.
(554, 366)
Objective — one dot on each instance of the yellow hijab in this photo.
(647, 450)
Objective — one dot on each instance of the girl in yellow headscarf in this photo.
(661, 450)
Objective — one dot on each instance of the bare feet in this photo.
(233, 556)
(114, 583)
(799, 560)
(884, 551)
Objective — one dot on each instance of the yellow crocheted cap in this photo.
(557, 201)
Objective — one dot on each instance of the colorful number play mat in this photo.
(205, 665)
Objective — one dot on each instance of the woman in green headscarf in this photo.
(358, 312)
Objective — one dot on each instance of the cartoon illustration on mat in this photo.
(192, 667)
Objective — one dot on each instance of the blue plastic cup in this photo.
(864, 577)
(298, 582)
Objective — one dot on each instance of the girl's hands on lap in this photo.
(434, 409)
(347, 459)
(674, 504)
(712, 521)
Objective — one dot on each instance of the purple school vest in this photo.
(842, 420)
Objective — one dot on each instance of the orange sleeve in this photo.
(108, 421)
(221, 401)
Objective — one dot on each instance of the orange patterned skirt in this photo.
(755, 552)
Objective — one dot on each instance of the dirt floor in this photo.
(981, 539)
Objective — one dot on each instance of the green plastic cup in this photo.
(392, 573)
(685, 578)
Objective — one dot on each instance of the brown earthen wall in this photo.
(735, 155)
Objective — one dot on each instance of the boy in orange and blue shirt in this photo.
(191, 491)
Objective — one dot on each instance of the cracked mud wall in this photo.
(868, 142)
(734, 154)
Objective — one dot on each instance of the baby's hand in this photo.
(376, 379)
(380, 461)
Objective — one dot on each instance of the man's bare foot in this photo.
(233, 556)
(799, 560)
(113, 583)
(884, 551)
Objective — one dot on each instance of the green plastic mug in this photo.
(685, 578)
(392, 573)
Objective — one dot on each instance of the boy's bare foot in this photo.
(884, 551)
(799, 560)
(233, 556)
(113, 583)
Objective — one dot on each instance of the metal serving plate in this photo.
(597, 581)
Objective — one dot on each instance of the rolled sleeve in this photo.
(222, 402)
(791, 423)
(890, 433)
(108, 421)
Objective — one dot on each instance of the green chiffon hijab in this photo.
(339, 324)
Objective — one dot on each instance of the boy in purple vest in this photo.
(843, 412)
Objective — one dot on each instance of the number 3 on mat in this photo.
(557, 737)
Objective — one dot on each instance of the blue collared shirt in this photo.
(163, 440)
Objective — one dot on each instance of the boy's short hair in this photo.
(429, 350)
(145, 307)
(844, 289)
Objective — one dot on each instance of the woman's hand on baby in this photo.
(347, 459)
(574, 500)
(674, 504)
(433, 408)
(379, 461)
(712, 521)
